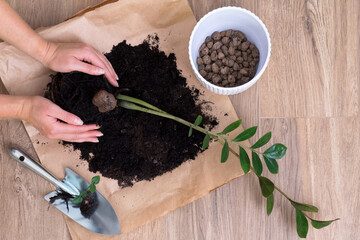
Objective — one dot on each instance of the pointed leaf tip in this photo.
(206, 141)
(271, 165)
(258, 168)
(302, 225)
(276, 151)
(269, 204)
(248, 133)
(304, 207)
(231, 127)
(95, 180)
(225, 152)
(262, 141)
(267, 186)
(320, 224)
(244, 160)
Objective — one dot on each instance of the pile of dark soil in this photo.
(136, 146)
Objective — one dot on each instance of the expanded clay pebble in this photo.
(227, 58)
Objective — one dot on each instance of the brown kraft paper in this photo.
(102, 28)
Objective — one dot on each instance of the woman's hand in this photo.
(44, 114)
(67, 57)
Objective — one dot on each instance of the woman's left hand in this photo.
(67, 57)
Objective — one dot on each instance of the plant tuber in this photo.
(104, 101)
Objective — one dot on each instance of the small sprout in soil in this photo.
(104, 101)
(86, 199)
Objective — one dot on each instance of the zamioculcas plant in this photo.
(270, 157)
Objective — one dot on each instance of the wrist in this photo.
(14, 107)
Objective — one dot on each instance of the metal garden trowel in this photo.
(103, 220)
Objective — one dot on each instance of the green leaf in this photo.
(258, 168)
(83, 194)
(266, 185)
(262, 141)
(244, 160)
(269, 204)
(248, 133)
(206, 141)
(77, 200)
(231, 127)
(95, 180)
(92, 188)
(198, 120)
(302, 225)
(276, 151)
(304, 207)
(190, 132)
(271, 165)
(320, 224)
(225, 152)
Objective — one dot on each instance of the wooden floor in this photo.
(308, 97)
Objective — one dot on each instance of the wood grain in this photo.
(308, 97)
(315, 59)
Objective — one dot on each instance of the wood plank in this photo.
(314, 73)
(314, 65)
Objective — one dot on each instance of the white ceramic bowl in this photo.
(234, 18)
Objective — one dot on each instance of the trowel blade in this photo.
(103, 220)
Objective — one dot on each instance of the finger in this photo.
(108, 64)
(98, 60)
(69, 128)
(78, 136)
(93, 140)
(87, 68)
(61, 114)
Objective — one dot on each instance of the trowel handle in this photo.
(24, 159)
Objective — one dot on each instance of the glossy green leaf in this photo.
(92, 188)
(225, 152)
(95, 180)
(269, 204)
(258, 168)
(244, 160)
(206, 141)
(302, 225)
(262, 141)
(271, 165)
(276, 151)
(77, 200)
(248, 133)
(83, 194)
(320, 224)
(304, 207)
(231, 127)
(198, 120)
(267, 186)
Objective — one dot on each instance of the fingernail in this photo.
(78, 121)
(116, 84)
(97, 127)
(99, 134)
(117, 77)
(96, 141)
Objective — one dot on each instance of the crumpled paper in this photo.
(102, 27)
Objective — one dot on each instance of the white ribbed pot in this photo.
(234, 18)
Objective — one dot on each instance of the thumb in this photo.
(68, 117)
(87, 68)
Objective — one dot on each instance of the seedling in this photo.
(92, 188)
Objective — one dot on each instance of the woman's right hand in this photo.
(44, 114)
